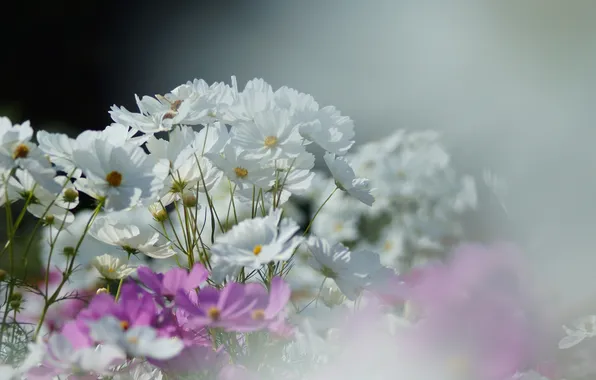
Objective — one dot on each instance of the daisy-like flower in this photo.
(346, 180)
(124, 176)
(255, 242)
(245, 172)
(54, 216)
(17, 150)
(130, 238)
(582, 329)
(136, 341)
(58, 147)
(213, 101)
(157, 115)
(217, 308)
(176, 279)
(256, 97)
(351, 271)
(270, 135)
(64, 358)
(111, 267)
(330, 130)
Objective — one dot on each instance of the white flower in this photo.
(212, 102)
(159, 114)
(54, 216)
(28, 187)
(17, 150)
(346, 179)
(338, 219)
(137, 341)
(122, 175)
(195, 174)
(59, 147)
(330, 130)
(582, 328)
(257, 96)
(111, 267)
(297, 181)
(61, 355)
(255, 242)
(130, 238)
(351, 271)
(270, 135)
(242, 170)
(8, 188)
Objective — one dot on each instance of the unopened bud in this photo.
(189, 200)
(16, 297)
(15, 305)
(70, 195)
(68, 251)
(332, 297)
(3, 275)
(102, 291)
(49, 219)
(158, 212)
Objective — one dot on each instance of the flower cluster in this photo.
(418, 198)
(193, 264)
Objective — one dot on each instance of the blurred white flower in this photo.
(330, 130)
(137, 341)
(346, 180)
(351, 271)
(583, 328)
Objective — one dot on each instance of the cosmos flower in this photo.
(111, 268)
(123, 176)
(346, 180)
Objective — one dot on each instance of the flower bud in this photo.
(15, 305)
(49, 219)
(189, 200)
(68, 251)
(70, 195)
(16, 297)
(102, 291)
(3, 275)
(158, 212)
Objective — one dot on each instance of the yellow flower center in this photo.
(338, 227)
(270, 141)
(132, 340)
(240, 172)
(21, 151)
(214, 313)
(387, 246)
(257, 249)
(111, 269)
(114, 178)
(258, 315)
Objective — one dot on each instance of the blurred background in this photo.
(512, 84)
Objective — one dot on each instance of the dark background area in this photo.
(64, 63)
